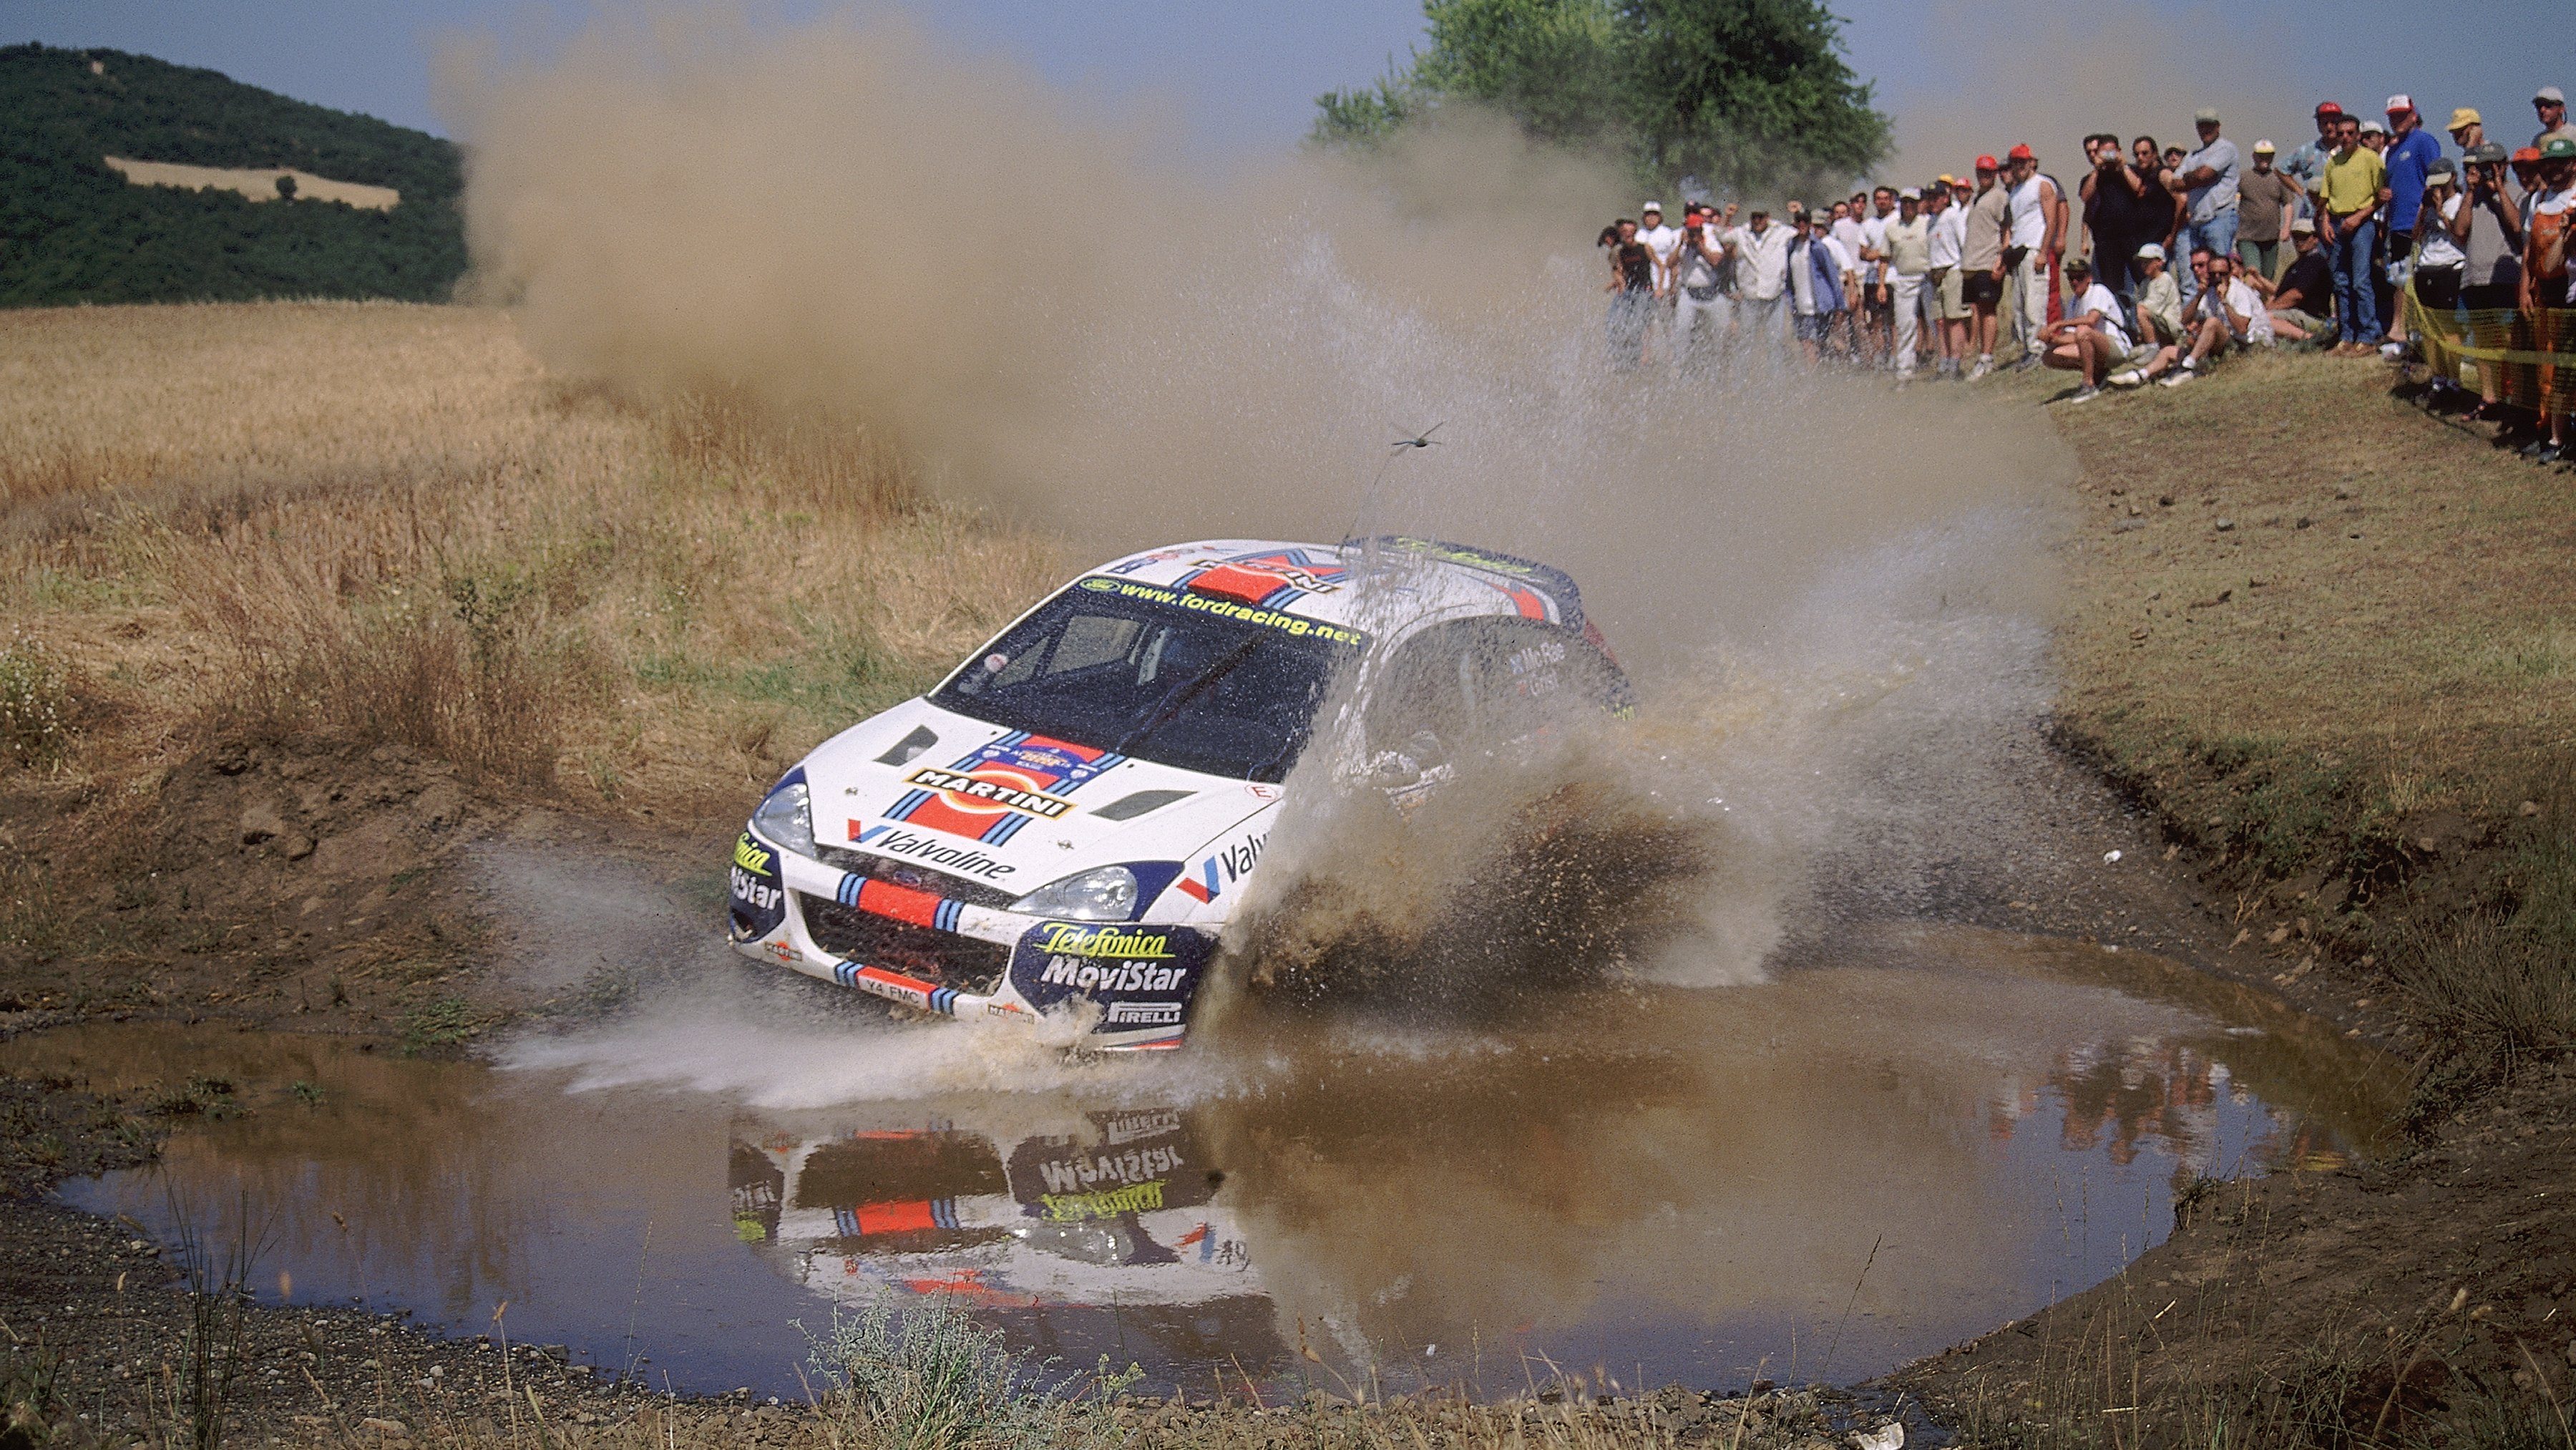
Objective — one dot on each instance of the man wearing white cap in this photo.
(1663, 243)
(2208, 179)
(1906, 243)
(2410, 155)
(2265, 201)
(2551, 105)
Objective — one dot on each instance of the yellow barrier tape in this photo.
(2528, 359)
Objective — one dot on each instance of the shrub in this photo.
(35, 704)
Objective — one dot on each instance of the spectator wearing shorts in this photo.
(1944, 304)
(1981, 262)
(2549, 237)
(2226, 316)
(2160, 329)
(2266, 200)
(1632, 292)
(2089, 340)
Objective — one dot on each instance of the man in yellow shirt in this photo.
(2349, 196)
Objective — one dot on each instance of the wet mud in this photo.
(1891, 1148)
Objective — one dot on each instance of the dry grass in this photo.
(2383, 636)
(382, 522)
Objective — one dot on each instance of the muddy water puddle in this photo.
(1824, 1176)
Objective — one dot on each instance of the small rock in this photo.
(390, 1429)
(260, 823)
(2225, 525)
(2164, 500)
(2128, 526)
(2110, 858)
(2306, 522)
(2528, 808)
(2344, 491)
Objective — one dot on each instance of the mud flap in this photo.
(1143, 977)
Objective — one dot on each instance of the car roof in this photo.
(1316, 581)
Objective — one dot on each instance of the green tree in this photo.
(1749, 94)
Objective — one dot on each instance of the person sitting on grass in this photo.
(2226, 315)
(2302, 302)
(2089, 339)
(2159, 320)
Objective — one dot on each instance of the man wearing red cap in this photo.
(2037, 212)
(1981, 263)
(2307, 164)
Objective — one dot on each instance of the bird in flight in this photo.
(1420, 440)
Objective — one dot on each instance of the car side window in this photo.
(1495, 679)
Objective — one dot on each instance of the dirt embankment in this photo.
(2329, 673)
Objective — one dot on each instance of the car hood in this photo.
(1005, 808)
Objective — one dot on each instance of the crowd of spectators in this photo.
(2157, 263)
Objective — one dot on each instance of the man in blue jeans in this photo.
(2410, 154)
(2208, 177)
(2348, 201)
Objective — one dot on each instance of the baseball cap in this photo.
(2329, 108)
(2264, 148)
(2400, 102)
(1987, 163)
(2558, 149)
(2465, 116)
(1911, 193)
(2205, 116)
(1653, 206)
(2441, 170)
(2527, 153)
(2303, 228)
(2152, 252)
(2373, 128)
(2078, 267)
(2487, 153)
(1946, 179)
(2551, 94)
(2021, 152)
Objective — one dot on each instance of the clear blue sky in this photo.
(1246, 74)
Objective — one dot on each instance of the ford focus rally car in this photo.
(1071, 817)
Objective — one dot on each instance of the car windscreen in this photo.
(1181, 679)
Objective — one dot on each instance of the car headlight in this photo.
(787, 817)
(1106, 893)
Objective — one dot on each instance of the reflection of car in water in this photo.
(1070, 818)
(1123, 1214)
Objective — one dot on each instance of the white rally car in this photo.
(1071, 817)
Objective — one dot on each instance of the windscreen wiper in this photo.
(1181, 694)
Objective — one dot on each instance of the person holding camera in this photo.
(1697, 297)
(2487, 226)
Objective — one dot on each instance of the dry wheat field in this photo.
(384, 522)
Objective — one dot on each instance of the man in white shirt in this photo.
(1664, 244)
(1945, 306)
(1905, 247)
(2089, 339)
(1761, 249)
(2226, 314)
(2035, 213)
(1873, 313)
(1697, 302)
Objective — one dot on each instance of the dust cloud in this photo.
(1013, 285)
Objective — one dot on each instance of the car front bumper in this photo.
(1142, 977)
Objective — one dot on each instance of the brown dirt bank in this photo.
(2315, 640)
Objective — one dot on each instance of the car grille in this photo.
(880, 869)
(937, 957)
